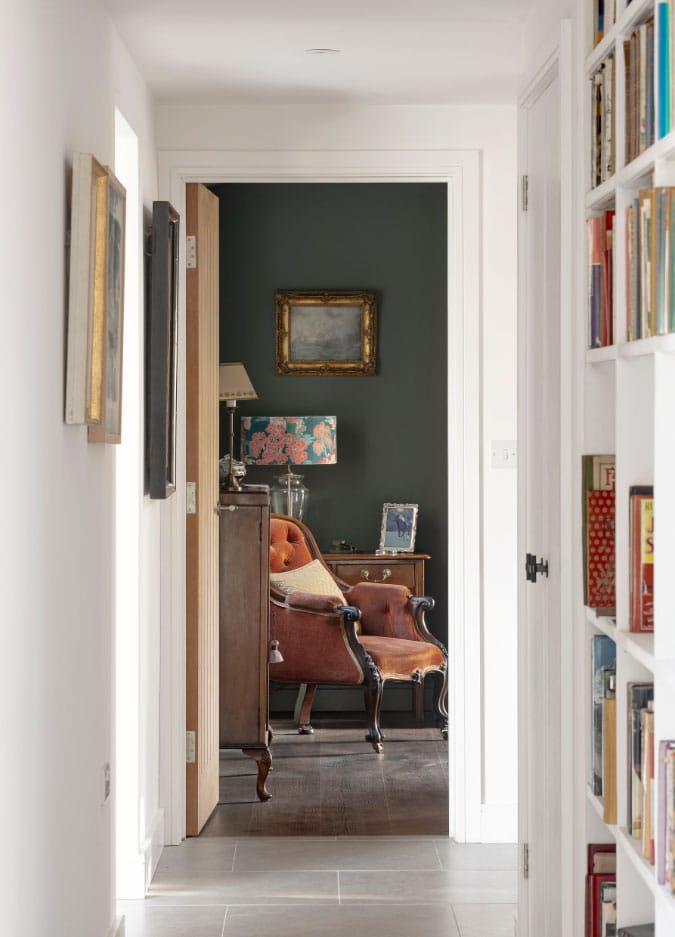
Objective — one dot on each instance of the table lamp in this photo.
(289, 440)
(234, 385)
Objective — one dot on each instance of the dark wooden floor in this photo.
(332, 783)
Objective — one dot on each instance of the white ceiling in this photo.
(392, 51)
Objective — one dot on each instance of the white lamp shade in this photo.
(235, 383)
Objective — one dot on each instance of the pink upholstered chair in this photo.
(331, 633)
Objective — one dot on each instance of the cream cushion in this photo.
(313, 578)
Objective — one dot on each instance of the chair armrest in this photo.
(317, 637)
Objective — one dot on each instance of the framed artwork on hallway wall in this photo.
(160, 352)
(86, 291)
(109, 335)
(323, 332)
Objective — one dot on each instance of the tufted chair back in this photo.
(289, 548)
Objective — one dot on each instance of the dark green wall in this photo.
(391, 428)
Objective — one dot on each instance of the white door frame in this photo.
(460, 171)
(556, 60)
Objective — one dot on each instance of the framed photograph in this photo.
(110, 341)
(160, 352)
(399, 526)
(86, 293)
(320, 332)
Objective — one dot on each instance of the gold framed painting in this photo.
(107, 341)
(86, 297)
(323, 332)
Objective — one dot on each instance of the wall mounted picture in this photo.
(399, 526)
(322, 332)
(160, 352)
(110, 428)
(86, 291)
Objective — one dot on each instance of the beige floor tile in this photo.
(144, 920)
(477, 856)
(487, 920)
(454, 886)
(404, 921)
(255, 887)
(344, 853)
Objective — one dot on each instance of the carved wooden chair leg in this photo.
(373, 698)
(441, 700)
(304, 727)
(264, 759)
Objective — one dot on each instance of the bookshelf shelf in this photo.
(628, 394)
(598, 807)
(598, 355)
(633, 849)
(603, 623)
(640, 647)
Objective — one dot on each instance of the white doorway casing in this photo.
(460, 171)
(546, 401)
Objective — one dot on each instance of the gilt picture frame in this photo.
(320, 332)
(86, 291)
(161, 352)
(111, 333)
(399, 528)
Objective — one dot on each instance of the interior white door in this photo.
(539, 342)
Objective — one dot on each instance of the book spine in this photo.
(663, 69)
(642, 563)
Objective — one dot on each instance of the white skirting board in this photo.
(117, 928)
(153, 846)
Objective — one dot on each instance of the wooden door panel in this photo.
(202, 343)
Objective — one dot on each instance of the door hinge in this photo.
(190, 746)
(191, 497)
(524, 189)
(526, 860)
(532, 567)
(191, 252)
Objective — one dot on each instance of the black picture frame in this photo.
(161, 351)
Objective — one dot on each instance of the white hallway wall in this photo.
(492, 131)
(63, 71)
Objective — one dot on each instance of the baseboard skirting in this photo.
(117, 928)
(499, 823)
(153, 846)
(136, 869)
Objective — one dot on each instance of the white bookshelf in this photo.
(628, 392)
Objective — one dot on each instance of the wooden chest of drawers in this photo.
(403, 569)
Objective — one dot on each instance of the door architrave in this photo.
(460, 171)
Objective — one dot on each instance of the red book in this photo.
(642, 559)
(600, 552)
(594, 901)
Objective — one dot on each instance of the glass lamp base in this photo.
(289, 495)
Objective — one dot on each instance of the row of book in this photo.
(638, 53)
(650, 263)
(600, 246)
(598, 473)
(645, 761)
(649, 75)
(601, 895)
(603, 145)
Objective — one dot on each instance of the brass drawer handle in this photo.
(386, 573)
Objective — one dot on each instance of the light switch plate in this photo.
(504, 453)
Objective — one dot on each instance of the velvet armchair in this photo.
(366, 634)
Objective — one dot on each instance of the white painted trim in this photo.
(118, 927)
(553, 60)
(499, 823)
(568, 495)
(152, 848)
(460, 170)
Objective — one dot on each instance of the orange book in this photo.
(642, 558)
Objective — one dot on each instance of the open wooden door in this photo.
(202, 520)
